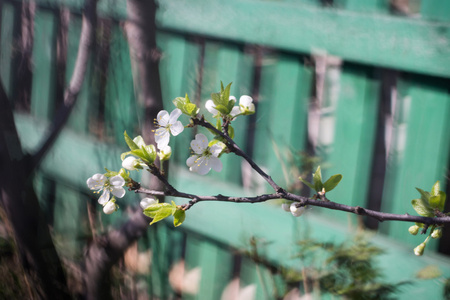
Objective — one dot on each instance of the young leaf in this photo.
(424, 195)
(435, 189)
(178, 217)
(435, 201)
(159, 211)
(422, 208)
(216, 98)
(317, 180)
(226, 94)
(130, 142)
(307, 183)
(443, 199)
(231, 131)
(150, 153)
(332, 182)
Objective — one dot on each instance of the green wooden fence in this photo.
(357, 83)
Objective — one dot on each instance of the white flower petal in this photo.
(128, 163)
(235, 111)
(162, 137)
(174, 115)
(146, 202)
(96, 182)
(119, 192)
(117, 181)
(245, 100)
(104, 198)
(232, 98)
(199, 144)
(209, 105)
(191, 160)
(176, 128)
(202, 166)
(286, 207)
(215, 150)
(163, 118)
(215, 164)
(110, 207)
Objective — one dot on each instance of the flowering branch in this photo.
(206, 156)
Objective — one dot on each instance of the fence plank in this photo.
(418, 155)
(181, 56)
(354, 135)
(281, 114)
(403, 43)
(44, 71)
(120, 103)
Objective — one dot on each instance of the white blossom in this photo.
(146, 202)
(168, 124)
(286, 207)
(204, 157)
(245, 107)
(100, 183)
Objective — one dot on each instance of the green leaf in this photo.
(231, 131)
(159, 211)
(317, 180)
(307, 183)
(123, 155)
(226, 93)
(178, 217)
(139, 153)
(435, 201)
(150, 153)
(435, 189)
(185, 105)
(130, 142)
(438, 202)
(216, 98)
(222, 109)
(190, 109)
(332, 182)
(422, 208)
(425, 196)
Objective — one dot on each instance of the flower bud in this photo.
(419, 249)
(131, 163)
(165, 153)
(413, 229)
(110, 207)
(296, 211)
(437, 233)
(286, 207)
(146, 202)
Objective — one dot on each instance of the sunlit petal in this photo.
(215, 164)
(215, 150)
(163, 118)
(176, 128)
(174, 115)
(209, 105)
(104, 198)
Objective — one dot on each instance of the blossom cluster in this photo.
(205, 154)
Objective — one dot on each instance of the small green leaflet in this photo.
(160, 211)
(317, 180)
(429, 202)
(317, 184)
(130, 142)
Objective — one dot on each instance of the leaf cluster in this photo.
(160, 211)
(186, 106)
(222, 101)
(430, 203)
(147, 153)
(318, 185)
